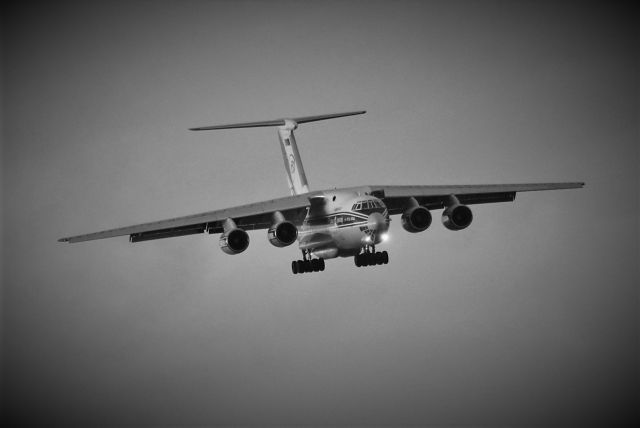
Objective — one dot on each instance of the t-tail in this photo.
(290, 154)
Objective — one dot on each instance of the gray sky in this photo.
(527, 317)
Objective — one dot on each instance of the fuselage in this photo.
(340, 223)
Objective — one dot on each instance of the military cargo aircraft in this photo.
(341, 222)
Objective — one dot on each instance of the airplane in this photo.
(340, 222)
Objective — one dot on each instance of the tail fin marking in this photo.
(292, 161)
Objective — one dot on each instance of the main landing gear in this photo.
(307, 264)
(369, 257)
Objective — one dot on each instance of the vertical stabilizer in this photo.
(292, 161)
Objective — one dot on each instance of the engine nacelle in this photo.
(416, 219)
(457, 217)
(234, 241)
(282, 234)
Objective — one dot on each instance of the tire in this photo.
(294, 267)
(300, 264)
(371, 259)
(379, 258)
(307, 266)
(357, 261)
(321, 265)
(315, 265)
(385, 257)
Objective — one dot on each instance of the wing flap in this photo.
(168, 233)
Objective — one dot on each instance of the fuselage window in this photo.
(318, 221)
(345, 219)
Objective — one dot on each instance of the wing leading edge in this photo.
(435, 197)
(251, 216)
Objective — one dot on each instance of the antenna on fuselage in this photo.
(290, 154)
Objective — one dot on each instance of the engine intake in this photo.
(416, 219)
(282, 234)
(234, 241)
(457, 217)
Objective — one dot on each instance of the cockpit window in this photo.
(367, 207)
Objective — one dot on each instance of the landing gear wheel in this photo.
(308, 265)
(371, 259)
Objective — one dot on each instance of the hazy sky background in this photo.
(530, 316)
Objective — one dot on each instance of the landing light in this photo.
(367, 239)
(384, 237)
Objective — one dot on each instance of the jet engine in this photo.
(457, 217)
(234, 241)
(282, 234)
(416, 219)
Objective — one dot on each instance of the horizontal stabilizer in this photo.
(278, 122)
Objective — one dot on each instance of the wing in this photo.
(435, 197)
(248, 217)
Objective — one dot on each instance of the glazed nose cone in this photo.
(377, 223)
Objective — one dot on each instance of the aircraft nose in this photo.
(377, 223)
